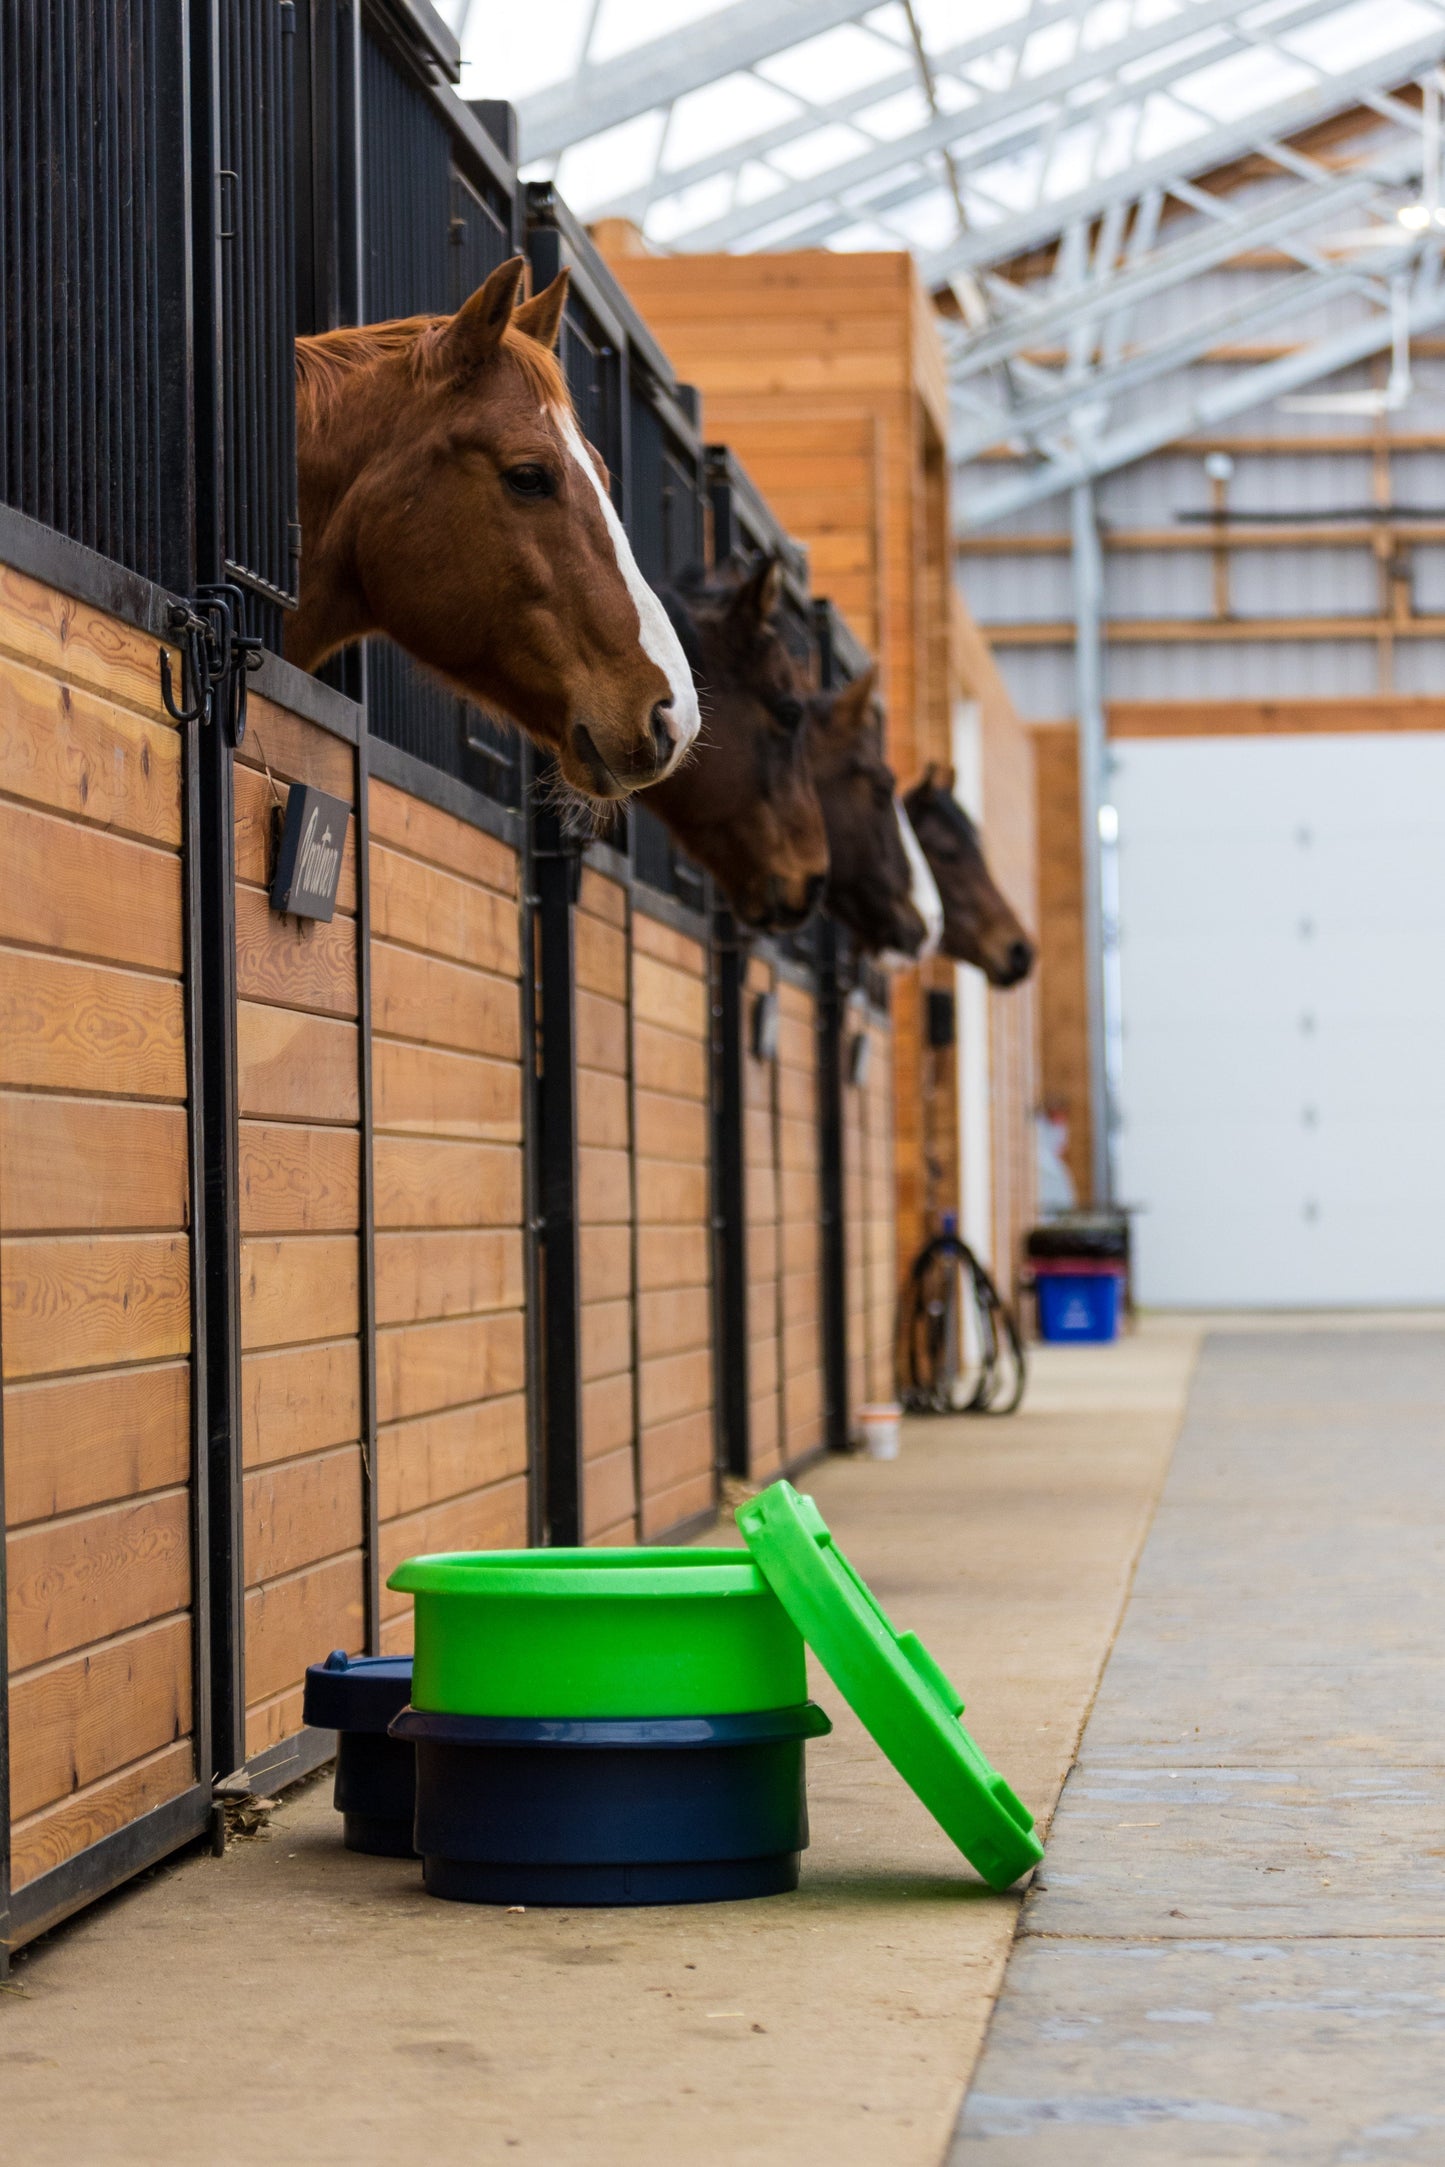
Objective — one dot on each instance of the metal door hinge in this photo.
(216, 658)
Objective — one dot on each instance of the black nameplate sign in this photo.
(308, 863)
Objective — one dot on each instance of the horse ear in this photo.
(475, 332)
(757, 597)
(854, 703)
(541, 317)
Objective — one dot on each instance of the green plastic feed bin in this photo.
(583, 1633)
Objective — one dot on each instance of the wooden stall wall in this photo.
(447, 1082)
(760, 1192)
(1062, 986)
(671, 1067)
(800, 1257)
(869, 1205)
(95, 1211)
(605, 1211)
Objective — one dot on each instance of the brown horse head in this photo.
(448, 499)
(978, 924)
(877, 887)
(744, 805)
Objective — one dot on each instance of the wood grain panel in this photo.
(73, 1722)
(606, 1338)
(295, 1067)
(434, 1093)
(254, 805)
(423, 907)
(667, 1192)
(609, 1499)
(63, 748)
(668, 1509)
(83, 892)
(444, 1004)
(606, 1415)
(601, 957)
(82, 1027)
(298, 1287)
(80, 1301)
(494, 1519)
(427, 832)
(673, 1256)
(677, 1451)
(295, 963)
(426, 1182)
(72, 1164)
(650, 937)
(74, 1442)
(62, 1830)
(288, 1620)
(299, 1399)
(296, 750)
(603, 1110)
(80, 1580)
(672, 1128)
(76, 641)
(601, 1033)
(297, 1180)
(604, 1261)
(671, 998)
(604, 1185)
(668, 1061)
(449, 1453)
(458, 1273)
(421, 1367)
(603, 898)
(674, 1384)
(673, 1319)
(301, 1510)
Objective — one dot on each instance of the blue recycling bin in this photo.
(1078, 1302)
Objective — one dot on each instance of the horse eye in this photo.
(530, 482)
(789, 713)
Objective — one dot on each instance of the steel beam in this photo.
(1088, 569)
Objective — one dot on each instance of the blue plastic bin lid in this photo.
(356, 1692)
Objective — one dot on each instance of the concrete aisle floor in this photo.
(294, 2003)
(1236, 1948)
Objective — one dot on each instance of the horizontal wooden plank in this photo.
(427, 1091)
(664, 995)
(669, 1061)
(294, 962)
(674, 1384)
(422, 1367)
(296, 1067)
(431, 1182)
(447, 1454)
(80, 1719)
(423, 907)
(676, 1451)
(78, 642)
(68, 1026)
(83, 1819)
(494, 1519)
(606, 1338)
(427, 832)
(460, 1272)
(74, 1164)
(604, 1186)
(255, 854)
(288, 1621)
(299, 1287)
(601, 1033)
(62, 747)
(297, 751)
(296, 1180)
(299, 1511)
(601, 957)
(604, 1256)
(674, 1256)
(299, 1399)
(80, 1580)
(609, 1495)
(672, 1128)
(674, 1319)
(271, 1723)
(677, 1507)
(606, 1415)
(602, 897)
(650, 937)
(79, 891)
(439, 1003)
(670, 1194)
(74, 1442)
(604, 1111)
(77, 1301)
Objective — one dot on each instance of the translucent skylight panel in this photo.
(1356, 34)
(867, 237)
(1244, 82)
(830, 66)
(694, 206)
(611, 164)
(896, 116)
(624, 24)
(943, 23)
(511, 52)
(1164, 126)
(1052, 47)
(1071, 161)
(755, 182)
(1102, 25)
(724, 113)
(928, 221)
(815, 153)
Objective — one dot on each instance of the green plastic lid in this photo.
(891, 1681)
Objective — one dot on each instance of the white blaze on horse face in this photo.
(659, 641)
(923, 889)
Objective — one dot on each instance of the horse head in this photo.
(879, 885)
(744, 805)
(449, 500)
(979, 926)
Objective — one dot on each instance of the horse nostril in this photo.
(1020, 958)
(664, 736)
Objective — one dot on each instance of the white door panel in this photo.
(1282, 963)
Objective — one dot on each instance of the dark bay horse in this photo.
(879, 885)
(979, 925)
(449, 500)
(745, 805)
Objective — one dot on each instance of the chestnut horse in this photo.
(448, 499)
(744, 805)
(879, 885)
(979, 926)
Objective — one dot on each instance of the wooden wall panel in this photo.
(1062, 989)
(95, 1255)
(452, 1442)
(671, 1034)
(605, 1211)
(868, 1157)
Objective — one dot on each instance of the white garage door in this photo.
(1282, 972)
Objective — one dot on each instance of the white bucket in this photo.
(880, 1430)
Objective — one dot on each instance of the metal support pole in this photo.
(1088, 564)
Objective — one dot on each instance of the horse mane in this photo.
(326, 361)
